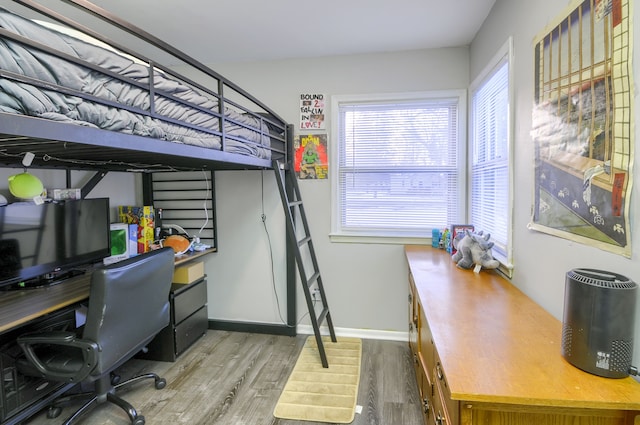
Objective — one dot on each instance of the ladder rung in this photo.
(312, 279)
(294, 203)
(304, 241)
(322, 315)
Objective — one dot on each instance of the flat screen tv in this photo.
(41, 243)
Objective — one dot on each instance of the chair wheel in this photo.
(115, 379)
(138, 421)
(161, 383)
(54, 412)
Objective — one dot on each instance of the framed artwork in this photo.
(312, 111)
(457, 229)
(311, 160)
(582, 125)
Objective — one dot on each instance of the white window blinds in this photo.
(490, 157)
(398, 171)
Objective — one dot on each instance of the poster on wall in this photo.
(582, 126)
(312, 113)
(311, 156)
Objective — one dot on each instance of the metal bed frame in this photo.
(57, 144)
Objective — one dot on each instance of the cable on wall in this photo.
(263, 218)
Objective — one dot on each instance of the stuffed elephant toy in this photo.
(474, 248)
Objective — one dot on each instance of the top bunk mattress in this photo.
(60, 76)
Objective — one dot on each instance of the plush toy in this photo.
(474, 248)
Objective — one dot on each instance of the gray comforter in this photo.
(22, 98)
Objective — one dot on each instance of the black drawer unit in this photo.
(189, 321)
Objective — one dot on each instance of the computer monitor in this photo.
(40, 243)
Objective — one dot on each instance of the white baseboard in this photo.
(357, 333)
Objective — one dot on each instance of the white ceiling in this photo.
(216, 31)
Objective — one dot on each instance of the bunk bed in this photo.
(77, 99)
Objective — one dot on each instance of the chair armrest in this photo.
(88, 350)
(48, 337)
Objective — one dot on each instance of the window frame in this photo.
(502, 56)
(338, 234)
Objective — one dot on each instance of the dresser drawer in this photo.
(443, 395)
(414, 317)
(188, 299)
(192, 328)
(427, 349)
(440, 413)
(426, 395)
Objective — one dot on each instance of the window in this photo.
(490, 159)
(397, 164)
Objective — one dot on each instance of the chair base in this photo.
(104, 392)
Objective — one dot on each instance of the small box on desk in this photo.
(144, 217)
(188, 273)
(133, 239)
(119, 243)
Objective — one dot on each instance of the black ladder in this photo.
(292, 202)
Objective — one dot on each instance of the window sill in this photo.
(505, 268)
(392, 240)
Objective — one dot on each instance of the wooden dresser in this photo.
(485, 353)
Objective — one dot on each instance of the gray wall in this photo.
(366, 283)
(541, 261)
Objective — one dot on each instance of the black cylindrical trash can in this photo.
(598, 322)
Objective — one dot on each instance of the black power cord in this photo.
(263, 218)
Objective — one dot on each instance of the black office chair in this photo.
(128, 306)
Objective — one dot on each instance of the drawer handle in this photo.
(425, 405)
(439, 371)
(440, 420)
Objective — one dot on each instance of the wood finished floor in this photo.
(230, 378)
